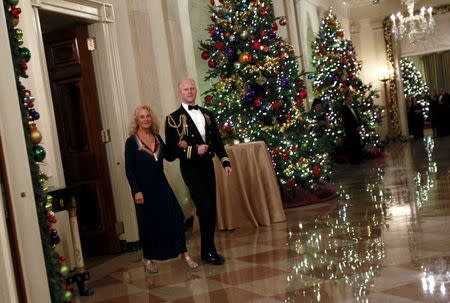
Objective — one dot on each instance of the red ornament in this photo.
(213, 18)
(276, 71)
(289, 116)
(303, 93)
(219, 45)
(212, 2)
(343, 85)
(276, 105)
(285, 155)
(222, 76)
(61, 259)
(227, 34)
(265, 48)
(221, 104)
(316, 170)
(282, 55)
(340, 34)
(258, 102)
(298, 103)
(208, 98)
(15, 11)
(256, 45)
(262, 33)
(274, 26)
(205, 55)
(264, 12)
(212, 31)
(319, 54)
(212, 63)
(290, 183)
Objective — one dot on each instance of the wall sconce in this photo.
(385, 74)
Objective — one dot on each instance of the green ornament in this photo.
(38, 153)
(13, 2)
(68, 296)
(25, 53)
(64, 270)
(49, 199)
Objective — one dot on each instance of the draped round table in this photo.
(251, 195)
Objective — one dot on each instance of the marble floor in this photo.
(385, 239)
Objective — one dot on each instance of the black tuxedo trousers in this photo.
(201, 181)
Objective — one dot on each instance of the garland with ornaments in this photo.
(336, 77)
(257, 91)
(56, 268)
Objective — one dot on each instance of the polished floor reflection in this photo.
(385, 239)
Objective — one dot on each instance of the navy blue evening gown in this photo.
(160, 218)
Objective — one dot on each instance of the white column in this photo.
(52, 165)
(18, 174)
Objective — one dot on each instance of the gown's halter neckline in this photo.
(144, 146)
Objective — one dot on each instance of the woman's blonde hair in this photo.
(154, 128)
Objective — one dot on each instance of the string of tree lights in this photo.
(414, 86)
(336, 76)
(60, 291)
(257, 91)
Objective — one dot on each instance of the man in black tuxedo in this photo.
(197, 127)
(352, 138)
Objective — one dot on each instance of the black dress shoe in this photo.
(218, 256)
(213, 259)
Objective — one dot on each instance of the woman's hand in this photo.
(139, 198)
(182, 144)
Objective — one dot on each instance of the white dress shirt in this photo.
(198, 118)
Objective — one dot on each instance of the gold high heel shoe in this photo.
(150, 266)
(189, 262)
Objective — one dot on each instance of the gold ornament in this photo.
(244, 34)
(36, 136)
(261, 80)
(245, 57)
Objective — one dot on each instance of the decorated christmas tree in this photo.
(257, 91)
(55, 264)
(414, 87)
(336, 76)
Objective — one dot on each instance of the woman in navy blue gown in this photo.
(160, 218)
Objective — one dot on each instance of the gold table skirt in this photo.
(250, 196)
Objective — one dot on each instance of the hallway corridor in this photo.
(385, 239)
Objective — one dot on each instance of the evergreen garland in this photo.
(56, 269)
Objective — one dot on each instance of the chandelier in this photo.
(413, 26)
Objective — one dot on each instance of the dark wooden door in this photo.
(78, 120)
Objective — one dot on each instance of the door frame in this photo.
(111, 96)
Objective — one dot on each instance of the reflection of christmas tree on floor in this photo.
(341, 247)
(257, 92)
(55, 265)
(336, 77)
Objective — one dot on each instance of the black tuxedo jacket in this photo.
(350, 122)
(180, 126)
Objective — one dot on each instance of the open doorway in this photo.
(76, 107)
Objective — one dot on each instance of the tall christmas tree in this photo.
(414, 86)
(257, 91)
(336, 76)
(56, 268)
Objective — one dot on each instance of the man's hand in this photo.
(139, 198)
(228, 170)
(182, 144)
(202, 149)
